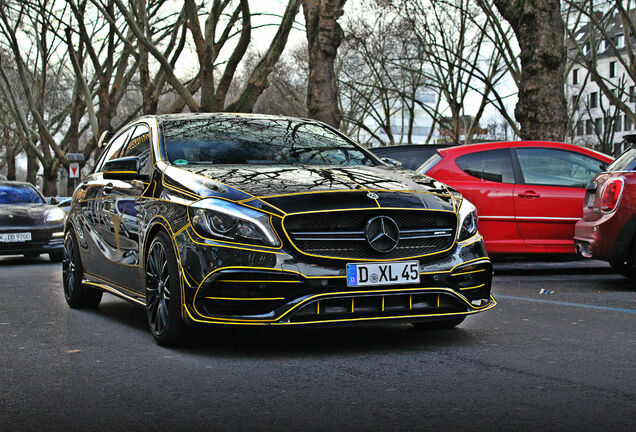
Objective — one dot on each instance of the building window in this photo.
(579, 128)
(620, 41)
(612, 71)
(632, 94)
(627, 123)
(617, 123)
(586, 48)
(602, 46)
(614, 92)
(589, 127)
(593, 99)
(599, 125)
(575, 76)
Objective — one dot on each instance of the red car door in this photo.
(549, 200)
(487, 180)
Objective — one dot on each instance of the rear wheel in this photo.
(163, 293)
(76, 294)
(439, 324)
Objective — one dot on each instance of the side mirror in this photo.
(125, 168)
(390, 161)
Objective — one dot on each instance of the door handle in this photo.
(108, 188)
(528, 194)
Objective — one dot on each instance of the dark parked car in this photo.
(28, 225)
(608, 228)
(411, 156)
(261, 220)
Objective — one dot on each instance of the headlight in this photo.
(55, 215)
(228, 221)
(467, 220)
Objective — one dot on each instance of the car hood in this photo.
(23, 214)
(322, 187)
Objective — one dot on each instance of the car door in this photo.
(121, 207)
(489, 185)
(549, 199)
(91, 227)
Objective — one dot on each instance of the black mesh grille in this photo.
(341, 234)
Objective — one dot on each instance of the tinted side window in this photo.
(551, 167)
(139, 145)
(114, 149)
(491, 165)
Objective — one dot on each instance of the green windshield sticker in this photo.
(180, 162)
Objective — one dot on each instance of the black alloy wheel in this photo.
(163, 296)
(76, 294)
(440, 323)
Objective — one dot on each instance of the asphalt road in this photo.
(559, 361)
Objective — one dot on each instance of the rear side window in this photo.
(625, 162)
(429, 163)
(490, 165)
(552, 167)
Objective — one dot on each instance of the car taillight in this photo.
(611, 194)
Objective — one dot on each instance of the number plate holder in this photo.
(384, 273)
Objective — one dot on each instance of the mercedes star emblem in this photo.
(372, 195)
(382, 234)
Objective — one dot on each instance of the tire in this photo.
(625, 269)
(56, 256)
(77, 295)
(163, 293)
(32, 255)
(440, 324)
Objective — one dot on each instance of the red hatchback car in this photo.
(608, 228)
(529, 194)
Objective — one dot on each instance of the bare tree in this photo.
(324, 36)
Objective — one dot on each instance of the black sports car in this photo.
(253, 219)
(28, 225)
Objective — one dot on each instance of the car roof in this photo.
(223, 115)
(15, 183)
(472, 148)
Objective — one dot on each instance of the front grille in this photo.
(341, 234)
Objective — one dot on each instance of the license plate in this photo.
(15, 237)
(392, 273)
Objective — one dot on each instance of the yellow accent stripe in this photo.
(245, 298)
(256, 281)
(468, 272)
(472, 287)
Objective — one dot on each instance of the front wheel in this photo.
(441, 323)
(163, 294)
(76, 294)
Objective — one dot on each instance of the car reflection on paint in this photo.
(264, 220)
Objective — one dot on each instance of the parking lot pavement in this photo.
(558, 360)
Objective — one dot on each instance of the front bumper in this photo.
(229, 285)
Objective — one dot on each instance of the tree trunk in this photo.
(49, 180)
(324, 35)
(32, 166)
(541, 110)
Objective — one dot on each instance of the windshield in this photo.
(19, 195)
(624, 161)
(247, 140)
